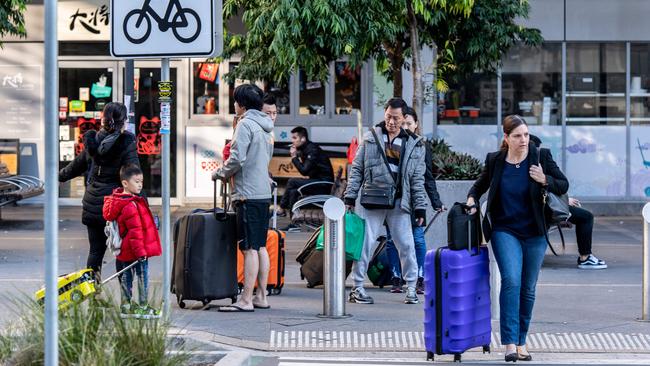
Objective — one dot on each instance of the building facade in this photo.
(585, 92)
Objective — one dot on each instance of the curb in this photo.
(235, 358)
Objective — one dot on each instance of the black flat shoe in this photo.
(524, 357)
(512, 357)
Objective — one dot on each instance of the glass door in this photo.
(84, 89)
(147, 124)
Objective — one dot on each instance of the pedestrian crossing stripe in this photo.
(398, 341)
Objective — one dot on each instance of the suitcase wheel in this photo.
(430, 356)
(181, 303)
(275, 291)
(486, 349)
(457, 357)
(76, 296)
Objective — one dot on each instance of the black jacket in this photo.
(103, 156)
(490, 178)
(430, 179)
(312, 162)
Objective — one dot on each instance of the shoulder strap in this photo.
(382, 153)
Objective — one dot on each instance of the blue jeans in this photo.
(420, 252)
(126, 280)
(519, 263)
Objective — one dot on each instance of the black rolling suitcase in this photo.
(205, 256)
(463, 229)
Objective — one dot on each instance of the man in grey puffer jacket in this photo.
(405, 153)
(250, 153)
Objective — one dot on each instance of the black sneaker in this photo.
(358, 295)
(591, 263)
(419, 286)
(291, 228)
(397, 285)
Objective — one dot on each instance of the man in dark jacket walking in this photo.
(312, 162)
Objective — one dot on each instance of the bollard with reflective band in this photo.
(645, 288)
(334, 259)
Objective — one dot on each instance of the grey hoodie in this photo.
(251, 150)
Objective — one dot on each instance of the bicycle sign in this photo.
(150, 28)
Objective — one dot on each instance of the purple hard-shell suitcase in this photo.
(457, 301)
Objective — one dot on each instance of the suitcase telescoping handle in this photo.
(221, 216)
(477, 216)
(274, 186)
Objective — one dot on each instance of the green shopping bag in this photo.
(355, 230)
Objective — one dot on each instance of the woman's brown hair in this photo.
(510, 123)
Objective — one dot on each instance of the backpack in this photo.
(113, 238)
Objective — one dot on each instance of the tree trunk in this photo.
(416, 65)
(396, 57)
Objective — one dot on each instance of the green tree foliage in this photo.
(12, 19)
(286, 35)
(479, 42)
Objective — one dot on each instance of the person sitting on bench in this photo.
(312, 162)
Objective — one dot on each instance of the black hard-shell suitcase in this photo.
(205, 256)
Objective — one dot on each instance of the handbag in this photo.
(379, 195)
(556, 207)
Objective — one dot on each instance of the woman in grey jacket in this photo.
(405, 171)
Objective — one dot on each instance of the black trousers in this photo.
(97, 240)
(291, 195)
(584, 222)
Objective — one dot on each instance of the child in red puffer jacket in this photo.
(140, 240)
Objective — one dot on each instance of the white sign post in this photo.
(166, 28)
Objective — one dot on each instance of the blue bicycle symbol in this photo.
(185, 24)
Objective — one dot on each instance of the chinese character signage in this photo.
(83, 20)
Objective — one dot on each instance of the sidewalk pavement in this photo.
(577, 311)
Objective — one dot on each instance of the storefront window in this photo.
(347, 88)
(312, 96)
(640, 120)
(83, 93)
(532, 83)
(640, 83)
(595, 84)
(147, 127)
(205, 84)
(282, 96)
(595, 150)
(472, 101)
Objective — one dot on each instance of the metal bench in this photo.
(15, 187)
(309, 209)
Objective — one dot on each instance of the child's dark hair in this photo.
(129, 171)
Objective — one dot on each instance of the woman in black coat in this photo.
(105, 152)
(517, 177)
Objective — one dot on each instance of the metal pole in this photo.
(334, 259)
(51, 121)
(645, 297)
(166, 219)
(129, 79)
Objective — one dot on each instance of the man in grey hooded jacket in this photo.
(405, 170)
(251, 150)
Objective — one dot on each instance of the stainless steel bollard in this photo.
(334, 259)
(645, 288)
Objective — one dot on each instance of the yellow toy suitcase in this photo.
(75, 287)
